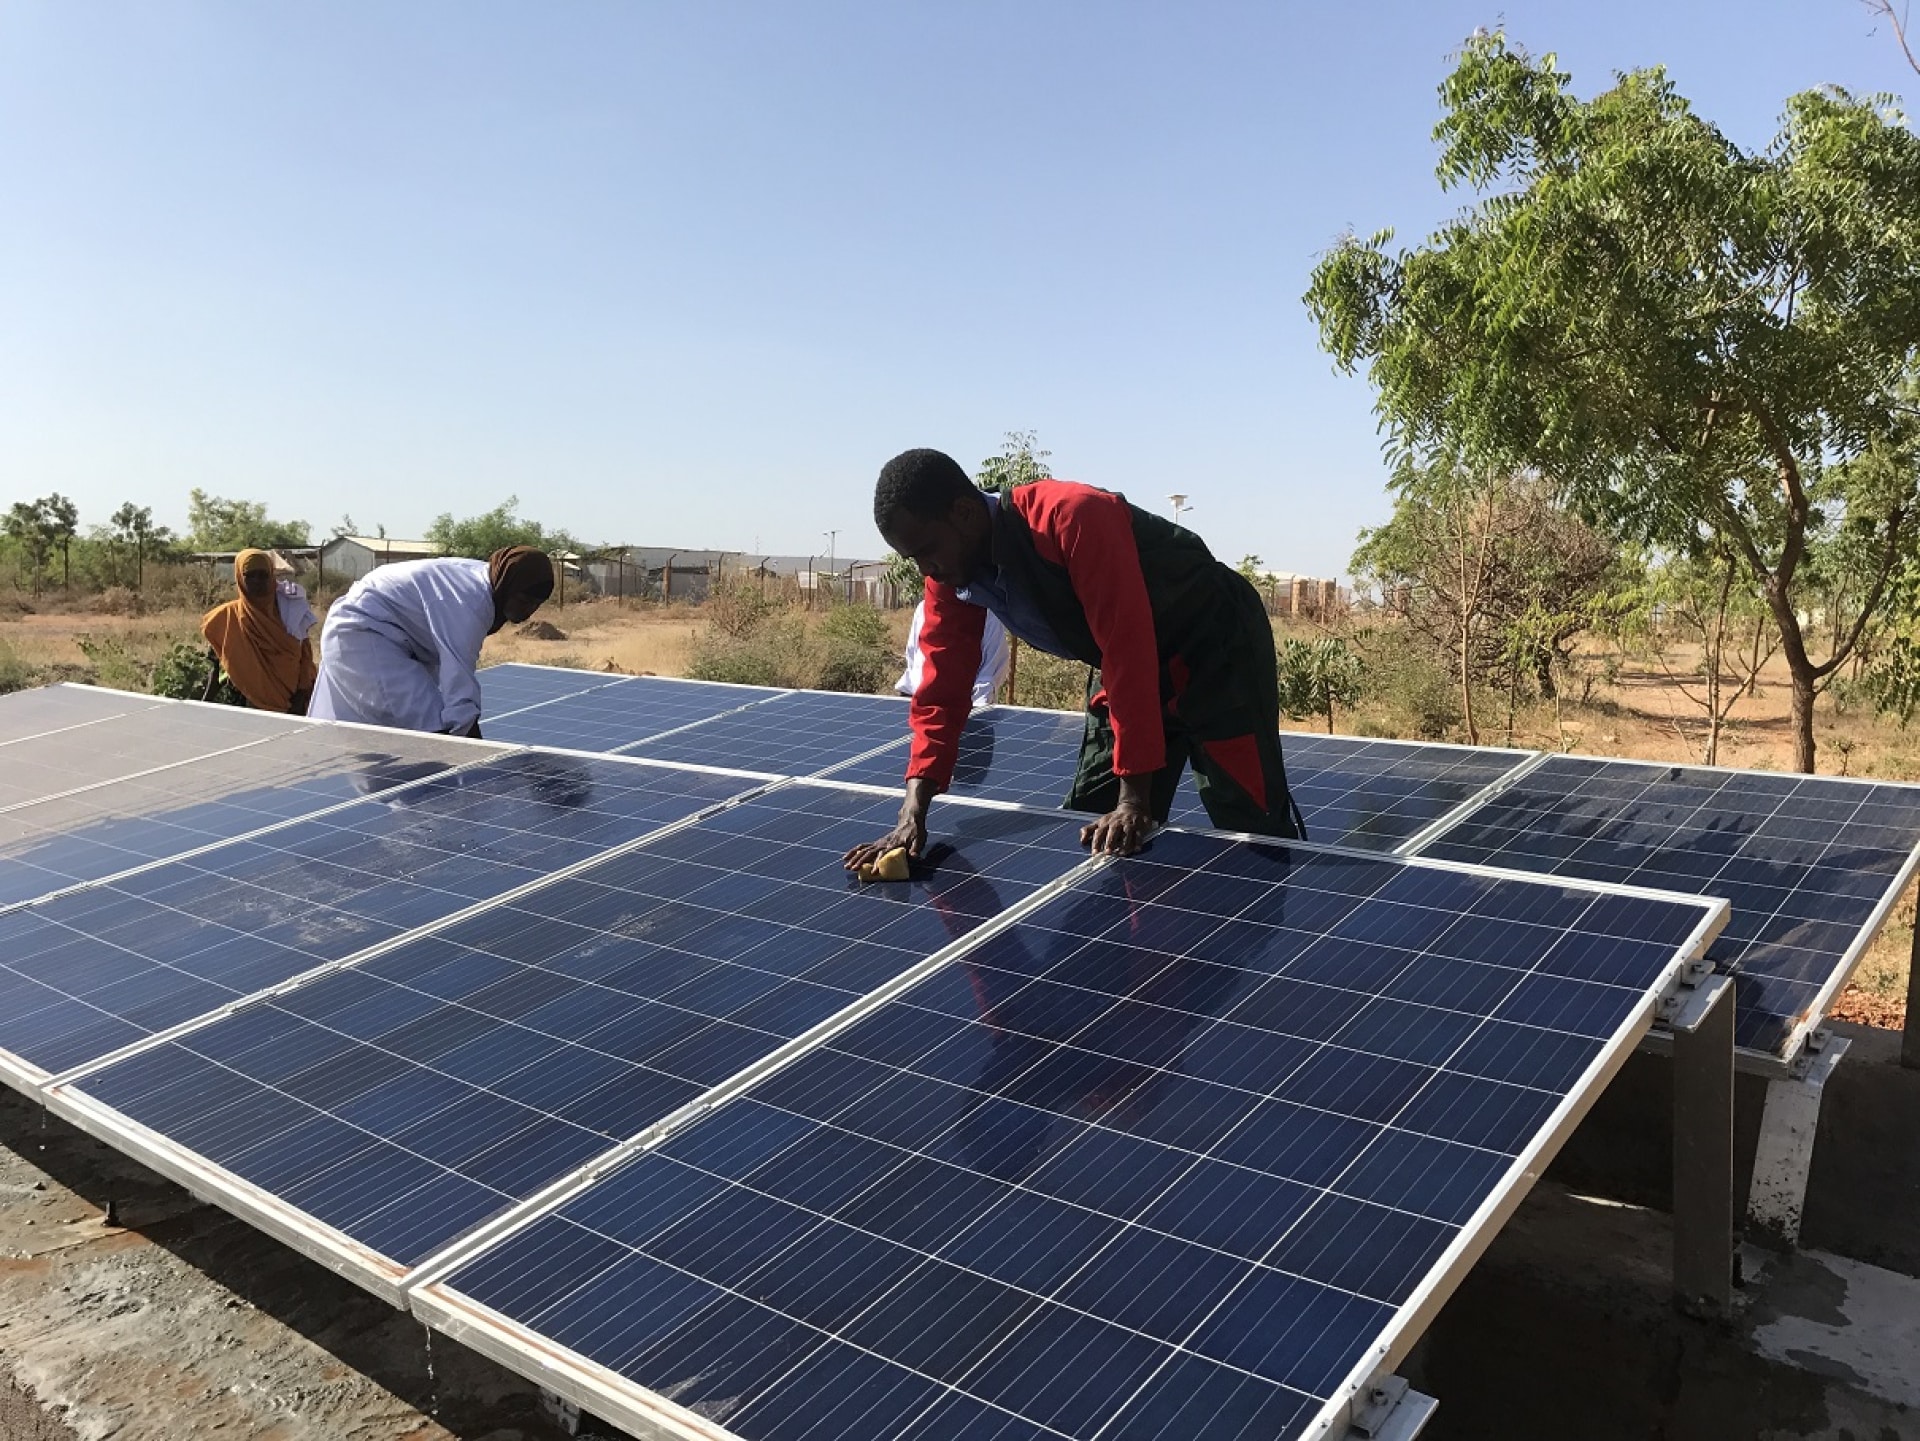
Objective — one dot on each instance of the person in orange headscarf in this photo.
(269, 665)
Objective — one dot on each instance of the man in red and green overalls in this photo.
(1181, 642)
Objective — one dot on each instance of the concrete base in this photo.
(1573, 1299)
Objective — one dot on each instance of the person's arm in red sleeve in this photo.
(1090, 532)
(950, 640)
(950, 637)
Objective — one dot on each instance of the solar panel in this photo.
(1025, 757)
(90, 834)
(611, 717)
(403, 1100)
(112, 747)
(1371, 794)
(1811, 864)
(1190, 1150)
(514, 686)
(30, 713)
(800, 733)
(91, 971)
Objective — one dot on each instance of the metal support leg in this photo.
(1703, 1150)
(1910, 1038)
(1784, 1156)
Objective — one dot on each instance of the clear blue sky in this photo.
(687, 274)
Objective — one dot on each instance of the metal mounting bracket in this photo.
(1390, 1410)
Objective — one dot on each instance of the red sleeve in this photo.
(1090, 532)
(950, 632)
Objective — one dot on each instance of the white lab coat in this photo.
(994, 658)
(402, 648)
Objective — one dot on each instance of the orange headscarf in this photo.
(267, 665)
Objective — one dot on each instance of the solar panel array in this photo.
(1809, 863)
(404, 1100)
(604, 1064)
(91, 970)
(1170, 1154)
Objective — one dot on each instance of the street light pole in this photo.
(1179, 504)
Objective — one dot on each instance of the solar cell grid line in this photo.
(515, 685)
(113, 747)
(456, 1075)
(1811, 864)
(1195, 1148)
(111, 828)
(800, 733)
(26, 714)
(98, 969)
(636, 708)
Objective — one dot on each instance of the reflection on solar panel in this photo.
(1176, 1155)
(108, 748)
(89, 834)
(797, 734)
(406, 1099)
(88, 972)
(513, 686)
(1808, 863)
(1372, 794)
(1022, 756)
(614, 716)
(57, 707)
(1352, 792)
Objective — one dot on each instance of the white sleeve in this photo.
(994, 660)
(909, 681)
(459, 626)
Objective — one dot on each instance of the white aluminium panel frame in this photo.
(647, 1414)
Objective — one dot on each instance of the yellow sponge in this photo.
(890, 867)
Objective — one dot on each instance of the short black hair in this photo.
(923, 483)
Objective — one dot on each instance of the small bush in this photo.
(114, 663)
(118, 600)
(1048, 681)
(739, 605)
(779, 653)
(15, 673)
(858, 654)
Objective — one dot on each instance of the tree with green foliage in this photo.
(30, 527)
(1317, 675)
(1020, 461)
(131, 528)
(63, 523)
(1688, 336)
(1489, 571)
(479, 536)
(217, 523)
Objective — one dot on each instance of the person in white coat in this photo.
(402, 647)
(994, 658)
